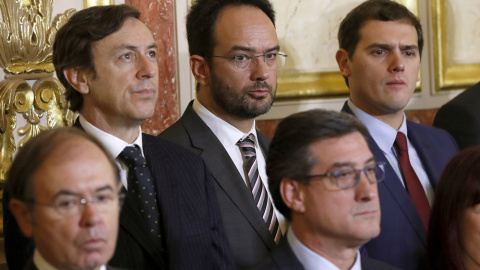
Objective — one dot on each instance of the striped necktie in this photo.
(259, 192)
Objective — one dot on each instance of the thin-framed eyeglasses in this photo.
(244, 61)
(71, 205)
(350, 177)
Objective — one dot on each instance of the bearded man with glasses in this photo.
(234, 57)
(65, 194)
(323, 178)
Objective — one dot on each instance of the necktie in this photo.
(412, 183)
(140, 187)
(259, 192)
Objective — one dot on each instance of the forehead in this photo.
(78, 166)
(132, 33)
(350, 148)
(244, 26)
(388, 32)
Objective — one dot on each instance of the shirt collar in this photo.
(383, 134)
(42, 264)
(227, 134)
(114, 145)
(312, 260)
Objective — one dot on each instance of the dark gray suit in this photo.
(248, 236)
(283, 258)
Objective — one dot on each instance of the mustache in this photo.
(257, 85)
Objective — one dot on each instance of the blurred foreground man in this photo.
(381, 43)
(65, 192)
(323, 178)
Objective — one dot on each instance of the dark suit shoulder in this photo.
(282, 258)
(371, 264)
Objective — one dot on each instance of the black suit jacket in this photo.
(192, 231)
(248, 235)
(461, 117)
(283, 258)
(402, 239)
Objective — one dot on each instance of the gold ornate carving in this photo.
(29, 90)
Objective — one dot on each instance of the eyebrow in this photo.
(135, 48)
(348, 164)
(390, 47)
(247, 49)
(71, 193)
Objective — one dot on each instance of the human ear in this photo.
(78, 79)
(292, 195)
(343, 62)
(200, 69)
(23, 216)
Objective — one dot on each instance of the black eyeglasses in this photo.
(350, 177)
(244, 62)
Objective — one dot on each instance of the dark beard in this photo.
(240, 104)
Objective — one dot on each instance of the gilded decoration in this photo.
(29, 90)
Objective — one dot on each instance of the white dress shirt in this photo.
(228, 136)
(42, 264)
(384, 135)
(312, 260)
(113, 145)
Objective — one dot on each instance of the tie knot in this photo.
(132, 156)
(248, 141)
(401, 142)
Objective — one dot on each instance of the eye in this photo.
(152, 54)
(66, 203)
(126, 56)
(241, 58)
(270, 56)
(345, 174)
(103, 198)
(378, 52)
(410, 53)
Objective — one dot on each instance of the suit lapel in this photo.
(391, 186)
(224, 171)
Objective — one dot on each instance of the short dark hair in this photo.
(202, 18)
(458, 189)
(382, 10)
(31, 156)
(73, 46)
(289, 155)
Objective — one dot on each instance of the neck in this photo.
(334, 250)
(470, 263)
(393, 120)
(128, 132)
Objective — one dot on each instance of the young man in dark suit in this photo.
(380, 47)
(323, 178)
(234, 57)
(106, 59)
(65, 191)
(461, 117)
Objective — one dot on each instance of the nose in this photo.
(260, 71)
(147, 67)
(365, 191)
(397, 63)
(90, 215)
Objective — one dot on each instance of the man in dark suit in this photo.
(323, 178)
(379, 56)
(106, 59)
(234, 56)
(65, 191)
(461, 117)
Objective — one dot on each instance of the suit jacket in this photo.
(248, 236)
(461, 117)
(192, 231)
(402, 240)
(283, 258)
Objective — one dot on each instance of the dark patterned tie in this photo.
(259, 192)
(412, 183)
(140, 187)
